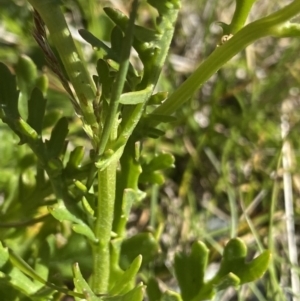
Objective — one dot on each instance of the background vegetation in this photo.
(227, 141)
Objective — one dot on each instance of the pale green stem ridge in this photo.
(250, 33)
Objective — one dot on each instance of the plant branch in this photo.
(240, 16)
(269, 25)
(134, 113)
(118, 86)
(103, 224)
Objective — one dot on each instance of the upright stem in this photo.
(242, 9)
(167, 26)
(130, 171)
(119, 83)
(103, 224)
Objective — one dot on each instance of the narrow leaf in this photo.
(9, 94)
(190, 270)
(36, 110)
(57, 140)
(96, 43)
(23, 266)
(154, 133)
(25, 129)
(105, 80)
(141, 33)
(79, 282)
(128, 277)
(75, 158)
(116, 38)
(85, 230)
(61, 213)
(87, 207)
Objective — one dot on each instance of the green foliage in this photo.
(76, 181)
(234, 271)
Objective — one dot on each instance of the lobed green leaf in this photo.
(190, 270)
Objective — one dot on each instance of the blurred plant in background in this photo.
(227, 179)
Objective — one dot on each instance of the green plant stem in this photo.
(240, 15)
(135, 112)
(269, 25)
(120, 79)
(81, 80)
(129, 173)
(103, 224)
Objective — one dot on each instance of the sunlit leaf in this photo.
(125, 282)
